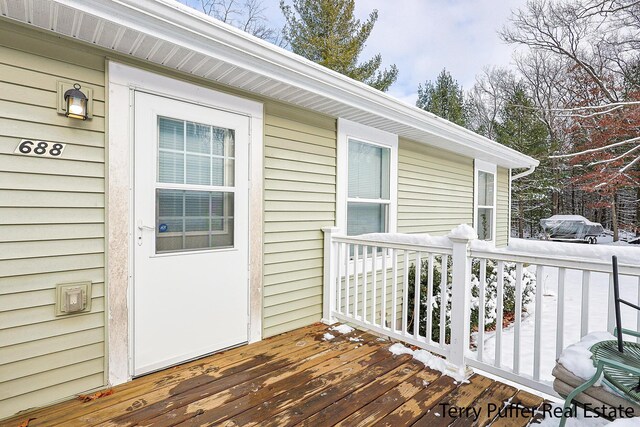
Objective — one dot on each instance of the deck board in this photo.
(297, 378)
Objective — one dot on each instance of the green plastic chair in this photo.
(618, 360)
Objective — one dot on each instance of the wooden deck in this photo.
(290, 379)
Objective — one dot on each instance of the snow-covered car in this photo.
(571, 228)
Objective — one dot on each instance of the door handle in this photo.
(141, 228)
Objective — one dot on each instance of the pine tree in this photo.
(520, 128)
(443, 98)
(326, 32)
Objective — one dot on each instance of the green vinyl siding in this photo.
(502, 208)
(300, 193)
(51, 226)
(435, 189)
(52, 213)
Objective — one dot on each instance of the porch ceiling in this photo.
(175, 36)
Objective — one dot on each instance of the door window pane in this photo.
(191, 220)
(171, 134)
(366, 218)
(223, 142)
(198, 138)
(195, 153)
(198, 169)
(222, 172)
(171, 167)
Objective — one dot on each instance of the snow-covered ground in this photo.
(598, 303)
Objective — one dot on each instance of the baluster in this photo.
(374, 281)
(365, 256)
(481, 308)
(405, 293)
(562, 273)
(347, 253)
(394, 290)
(416, 296)
(499, 313)
(383, 313)
(584, 310)
(429, 326)
(339, 265)
(356, 249)
(443, 300)
(518, 320)
(537, 339)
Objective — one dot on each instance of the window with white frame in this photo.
(485, 200)
(367, 179)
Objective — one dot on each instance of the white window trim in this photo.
(482, 166)
(348, 129)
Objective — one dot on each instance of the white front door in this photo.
(190, 231)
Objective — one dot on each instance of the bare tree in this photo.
(583, 67)
(247, 15)
(487, 97)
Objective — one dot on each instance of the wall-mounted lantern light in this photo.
(76, 103)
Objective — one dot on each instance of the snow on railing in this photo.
(435, 292)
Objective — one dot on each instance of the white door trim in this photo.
(123, 81)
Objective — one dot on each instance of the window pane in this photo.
(366, 218)
(223, 142)
(170, 203)
(198, 138)
(171, 134)
(222, 172)
(484, 225)
(198, 169)
(190, 220)
(206, 157)
(369, 167)
(485, 188)
(171, 167)
(196, 203)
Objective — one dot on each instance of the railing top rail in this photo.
(588, 264)
(435, 249)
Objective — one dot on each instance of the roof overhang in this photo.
(175, 36)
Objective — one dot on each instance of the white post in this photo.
(460, 299)
(330, 279)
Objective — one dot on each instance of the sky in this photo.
(424, 36)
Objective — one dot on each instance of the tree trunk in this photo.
(520, 218)
(614, 219)
(638, 211)
(554, 202)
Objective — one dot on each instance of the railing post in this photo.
(460, 297)
(330, 276)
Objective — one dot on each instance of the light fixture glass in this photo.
(76, 103)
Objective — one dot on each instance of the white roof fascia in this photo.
(186, 27)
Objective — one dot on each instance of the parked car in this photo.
(571, 228)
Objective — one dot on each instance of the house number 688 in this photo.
(39, 148)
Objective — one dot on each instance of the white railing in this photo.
(531, 306)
